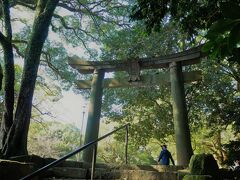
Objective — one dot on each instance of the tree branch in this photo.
(41, 112)
(2, 38)
(231, 71)
(18, 51)
(27, 5)
(48, 60)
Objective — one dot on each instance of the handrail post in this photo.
(94, 160)
(126, 144)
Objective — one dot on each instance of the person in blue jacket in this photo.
(164, 156)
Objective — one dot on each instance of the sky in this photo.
(70, 109)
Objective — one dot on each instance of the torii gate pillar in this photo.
(177, 79)
(181, 128)
(94, 112)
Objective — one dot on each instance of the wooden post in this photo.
(94, 112)
(181, 127)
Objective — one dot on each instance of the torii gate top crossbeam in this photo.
(187, 57)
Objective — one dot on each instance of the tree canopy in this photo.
(219, 18)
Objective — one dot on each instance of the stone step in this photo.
(142, 174)
(72, 179)
(101, 173)
(72, 170)
(159, 168)
(69, 172)
(82, 164)
(40, 162)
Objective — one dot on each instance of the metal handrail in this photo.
(58, 161)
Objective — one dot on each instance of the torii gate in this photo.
(176, 77)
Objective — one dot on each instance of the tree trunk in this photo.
(1, 78)
(7, 120)
(6, 42)
(16, 143)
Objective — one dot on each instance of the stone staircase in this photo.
(79, 171)
(71, 170)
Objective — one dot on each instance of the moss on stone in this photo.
(203, 164)
(197, 177)
(182, 173)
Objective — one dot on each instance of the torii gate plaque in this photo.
(176, 77)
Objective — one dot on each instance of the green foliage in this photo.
(191, 15)
(113, 152)
(149, 114)
(224, 34)
(52, 139)
(197, 177)
(216, 97)
(221, 19)
(55, 61)
(214, 109)
(133, 42)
